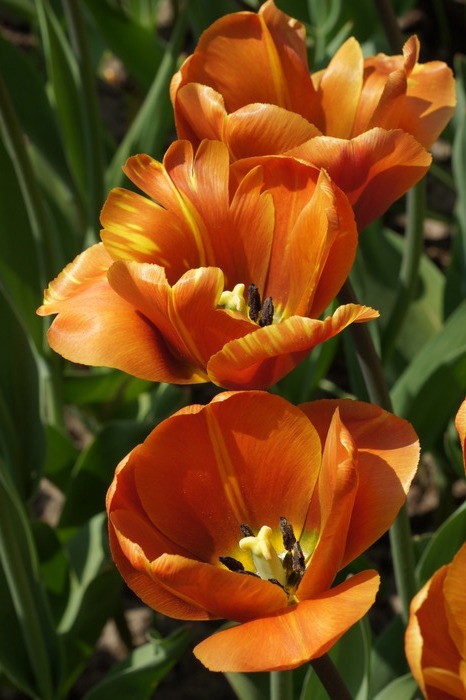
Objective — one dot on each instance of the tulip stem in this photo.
(281, 685)
(390, 24)
(330, 678)
(400, 533)
(409, 271)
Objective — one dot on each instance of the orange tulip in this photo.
(435, 641)
(436, 634)
(164, 296)
(366, 121)
(247, 508)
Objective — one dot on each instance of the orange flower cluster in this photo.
(436, 635)
(248, 508)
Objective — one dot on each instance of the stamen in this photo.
(254, 302)
(289, 538)
(266, 317)
(246, 530)
(299, 563)
(232, 564)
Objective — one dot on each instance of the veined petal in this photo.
(186, 314)
(444, 685)
(340, 88)
(460, 422)
(134, 568)
(387, 456)
(265, 47)
(263, 357)
(331, 509)
(204, 463)
(200, 113)
(265, 129)
(222, 593)
(373, 169)
(96, 326)
(138, 229)
(295, 635)
(455, 600)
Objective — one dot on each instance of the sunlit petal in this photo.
(265, 356)
(293, 636)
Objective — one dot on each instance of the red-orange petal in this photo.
(293, 636)
(222, 593)
(204, 462)
(460, 422)
(263, 357)
(455, 600)
(331, 509)
(340, 88)
(200, 113)
(388, 455)
(373, 169)
(96, 326)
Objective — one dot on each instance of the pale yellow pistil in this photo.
(234, 300)
(266, 561)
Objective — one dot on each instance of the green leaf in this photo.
(456, 274)
(53, 566)
(137, 47)
(94, 592)
(139, 674)
(404, 688)
(61, 455)
(250, 686)
(433, 385)
(351, 655)
(26, 87)
(443, 545)
(102, 386)
(64, 79)
(148, 131)
(94, 469)
(22, 440)
(388, 661)
(38, 644)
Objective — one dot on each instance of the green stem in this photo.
(400, 532)
(409, 270)
(390, 24)
(330, 678)
(281, 685)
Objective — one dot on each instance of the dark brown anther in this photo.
(246, 530)
(232, 564)
(266, 317)
(288, 535)
(254, 302)
(249, 573)
(299, 563)
(277, 583)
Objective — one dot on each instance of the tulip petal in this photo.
(200, 113)
(221, 592)
(331, 509)
(186, 314)
(266, 355)
(455, 600)
(460, 422)
(215, 449)
(95, 326)
(294, 636)
(373, 169)
(388, 455)
(340, 88)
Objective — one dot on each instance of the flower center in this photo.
(285, 568)
(260, 313)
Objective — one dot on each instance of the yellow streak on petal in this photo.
(275, 66)
(226, 469)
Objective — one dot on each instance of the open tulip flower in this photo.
(217, 277)
(246, 509)
(366, 121)
(436, 634)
